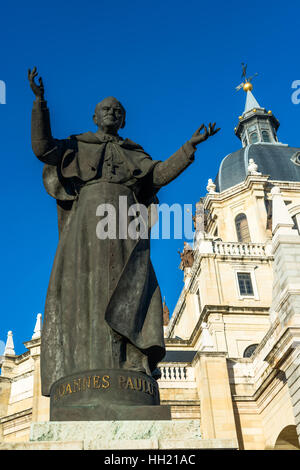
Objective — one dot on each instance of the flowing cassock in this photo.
(103, 307)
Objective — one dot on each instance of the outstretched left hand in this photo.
(199, 136)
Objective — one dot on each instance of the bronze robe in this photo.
(103, 308)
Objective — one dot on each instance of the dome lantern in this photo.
(256, 124)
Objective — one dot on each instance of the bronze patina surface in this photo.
(103, 308)
(95, 396)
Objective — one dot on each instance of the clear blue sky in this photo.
(173, 65)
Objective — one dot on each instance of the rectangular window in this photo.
(245, 284)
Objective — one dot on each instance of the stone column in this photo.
(217, 329)
(286, 251)
(286, 292)
(40, 404)
(5, 386)
(292, 374)
(217, 416)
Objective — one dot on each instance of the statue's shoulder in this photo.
(86, 137)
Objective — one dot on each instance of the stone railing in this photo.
(176, 373)
(239, 249)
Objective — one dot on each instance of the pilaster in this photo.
(40, 404)
(217, 416)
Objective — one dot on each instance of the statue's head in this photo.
(110, 115)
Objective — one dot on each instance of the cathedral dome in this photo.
(279, 161)
(257, 130)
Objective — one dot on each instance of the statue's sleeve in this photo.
(47, 149)
(166, 171)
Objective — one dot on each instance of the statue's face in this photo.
(109, 115)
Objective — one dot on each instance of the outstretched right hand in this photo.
(38, 90)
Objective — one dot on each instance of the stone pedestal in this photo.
(118, 435)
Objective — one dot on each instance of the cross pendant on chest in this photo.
(114, 165)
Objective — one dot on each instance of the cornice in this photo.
(245, 185)
(17, 415)
(248, 183)
(216, 309)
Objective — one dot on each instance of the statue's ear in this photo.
(123, 123)
(95, 119)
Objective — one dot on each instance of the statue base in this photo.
(107, 395)
(116, 434)
(120, 435)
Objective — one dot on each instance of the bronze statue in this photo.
(103, 309)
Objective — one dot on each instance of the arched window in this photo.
(296, 220)
(266, 136)
(242, 229)
(245, 142)
(250, 350)
(253, 137)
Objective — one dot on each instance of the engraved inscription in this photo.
(81, 384)
(103, 382)
(138, 384)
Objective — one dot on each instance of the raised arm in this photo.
(165, 172)
(47, 149)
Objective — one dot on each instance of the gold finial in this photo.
(246, 84)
